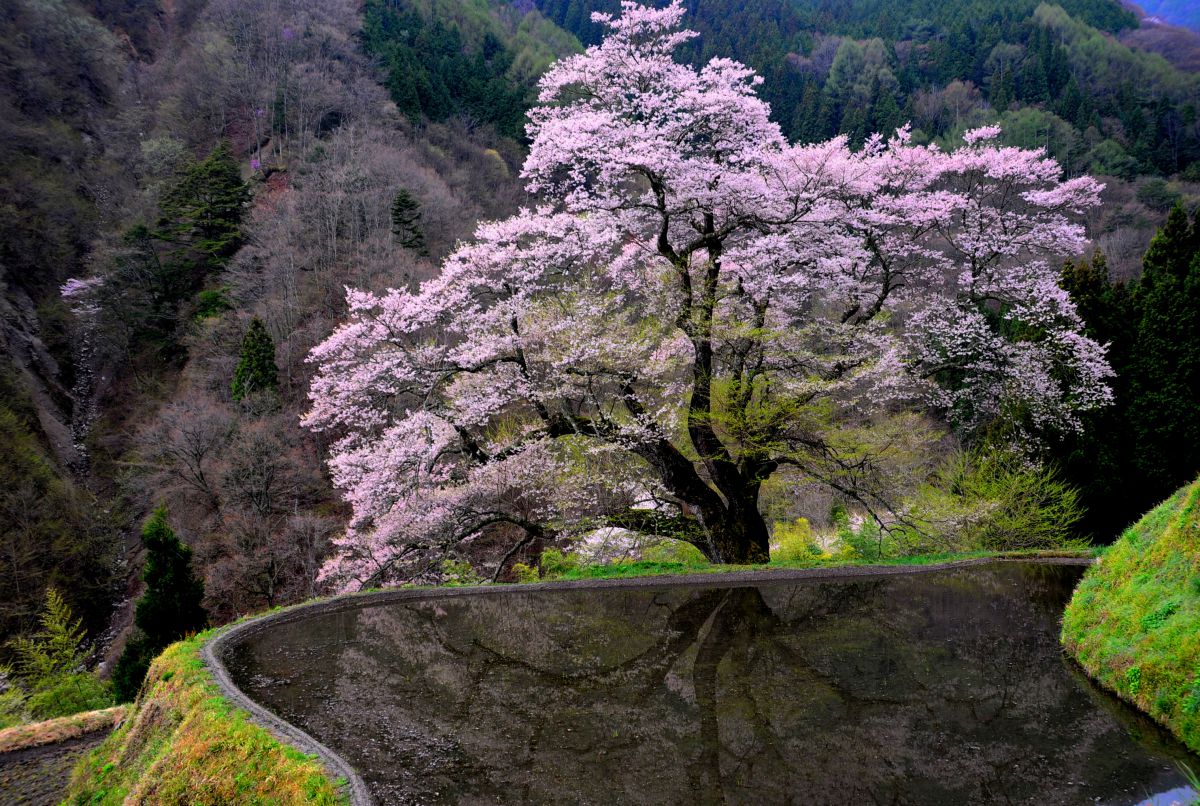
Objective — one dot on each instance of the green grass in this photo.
(1134, 621)
(643, 568)
(184, 743)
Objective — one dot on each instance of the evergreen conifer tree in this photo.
(256, 370)
(169, 609)
(205, 209)
(1165, 365)
(406, 222)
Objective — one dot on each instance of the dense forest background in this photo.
(212, 174)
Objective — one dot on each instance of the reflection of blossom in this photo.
(256, 164)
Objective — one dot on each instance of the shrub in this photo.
(994, 501)
(68, 694)
(794, 543)
(524, 573)
(674, 551)
(863, 540)
(556, 563)
(13, 707)
(459, 572)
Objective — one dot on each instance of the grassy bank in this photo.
(649, 568)
(1134, 622)
(62, 729)
(183, 742)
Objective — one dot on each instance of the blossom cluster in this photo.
(684, 270)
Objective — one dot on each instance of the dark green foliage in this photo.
(432, 73)
(406, 222)
(1165, 365)
(205, 209)
(1147, 443)
(930, 44)
(1157, 195)
(159, 269)
(256, 370)
(212, 302)
(168, 610)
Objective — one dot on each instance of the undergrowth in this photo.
(646, 568)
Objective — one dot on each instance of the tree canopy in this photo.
(691, 305)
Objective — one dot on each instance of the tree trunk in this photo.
(739, 536)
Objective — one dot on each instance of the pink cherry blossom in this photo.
(685, 290)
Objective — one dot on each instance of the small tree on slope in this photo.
(692, 305)
(256, 369)
(169, 609)
(406, 222)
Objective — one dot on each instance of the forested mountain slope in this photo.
(1053, 73)
(61, 72)
(214, 173)
(199, 167)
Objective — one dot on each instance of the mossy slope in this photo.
(1134, 621)
(184, 743)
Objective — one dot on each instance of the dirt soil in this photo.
(39, 775)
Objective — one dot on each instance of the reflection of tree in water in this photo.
(924, 689)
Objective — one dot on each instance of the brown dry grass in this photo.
(53, 731)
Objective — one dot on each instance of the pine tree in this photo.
(256, 370)
(998, 91)
(1034, 86)
(1165, 365)
(169, 609)
(406, 222)
(57, 649)
(1070, 102)
(205, 209)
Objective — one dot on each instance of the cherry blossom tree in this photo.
(689, 305)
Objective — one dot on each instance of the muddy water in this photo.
(939, 688)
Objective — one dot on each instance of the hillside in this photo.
(120, 398)
(1134, 622)
(355, 146)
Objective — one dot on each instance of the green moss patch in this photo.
(184, 743)
(1134, 621)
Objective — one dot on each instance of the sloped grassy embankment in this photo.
(1134, 621)
(184, 743)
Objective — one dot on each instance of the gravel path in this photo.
(37, 776)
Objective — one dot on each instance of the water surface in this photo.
(946, 687)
